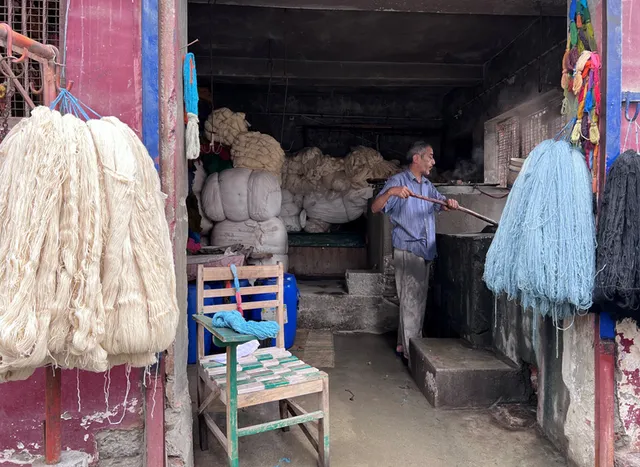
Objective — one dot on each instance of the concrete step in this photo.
(327, 305)
(364, 283)
(452, 375)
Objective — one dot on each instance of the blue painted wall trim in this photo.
(150, 79)
(613, 77)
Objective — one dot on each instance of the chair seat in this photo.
(265, 369)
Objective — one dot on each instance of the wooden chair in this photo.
(269, 375)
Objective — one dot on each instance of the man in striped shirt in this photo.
(413, 237)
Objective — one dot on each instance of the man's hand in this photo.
(452, 204)
(400, 191)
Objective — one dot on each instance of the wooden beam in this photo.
(353, 72)
(453, 7)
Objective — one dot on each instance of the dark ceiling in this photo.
(312, 46)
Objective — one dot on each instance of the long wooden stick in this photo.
(461, 209)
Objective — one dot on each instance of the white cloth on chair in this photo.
(244, 350)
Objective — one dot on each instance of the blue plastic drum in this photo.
(291, 296)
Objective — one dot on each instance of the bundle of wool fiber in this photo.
(364, 163)
(88, 281)
(254, 150)
(543, 252)
(618, 252)
(224, 126)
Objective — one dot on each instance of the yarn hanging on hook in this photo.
(192, 134)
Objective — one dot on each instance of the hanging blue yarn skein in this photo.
(192, 133)
(543, 252)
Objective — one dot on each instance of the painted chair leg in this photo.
(232, 406)
(202, 425)
(323, 426)
(284, 413)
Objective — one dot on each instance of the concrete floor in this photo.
(387, 422)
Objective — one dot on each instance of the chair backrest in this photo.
(223, 274)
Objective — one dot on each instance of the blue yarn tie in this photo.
(235, 321)
(67, 103)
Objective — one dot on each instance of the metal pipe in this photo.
(20, 42)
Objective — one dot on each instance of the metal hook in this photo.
(627, 102)
(68, 87)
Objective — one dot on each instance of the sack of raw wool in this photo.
(265, 237)
(244, 194)
(258, 151)
(316, 226)
(364, 163)
(300, 174)
(199, 179)
(211, 200)
(91, 281)
(336, 208)
(264, 197)
(291, 204)
(271, 261)
(295, 223)
(385, 169)
(224, 125)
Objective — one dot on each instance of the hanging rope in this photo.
(192, 134)
(543, 253)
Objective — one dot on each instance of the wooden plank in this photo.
(244, 272)
(284, 392)
(277, 424)
(295, 409)
(325, 262)
(245, 306)
(280, 307)
(350, 72)
(225, 335)
(258, 289)
(323, 426)
(232, 406)
(451, 7)
(217, 432)
(199, 305)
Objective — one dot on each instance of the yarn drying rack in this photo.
(45, 55)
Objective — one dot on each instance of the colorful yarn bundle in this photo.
(618, 254)
(543, 252)
(192, 135)
(581, 83)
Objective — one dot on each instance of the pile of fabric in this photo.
(245, 205)
(543, 253)
(88, 279)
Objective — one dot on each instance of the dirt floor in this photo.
(380, 419)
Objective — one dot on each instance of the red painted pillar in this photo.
(53, 412)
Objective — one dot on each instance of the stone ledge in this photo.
(453, 375)
(68, 459)
(364, 283)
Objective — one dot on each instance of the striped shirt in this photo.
(413, 220)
